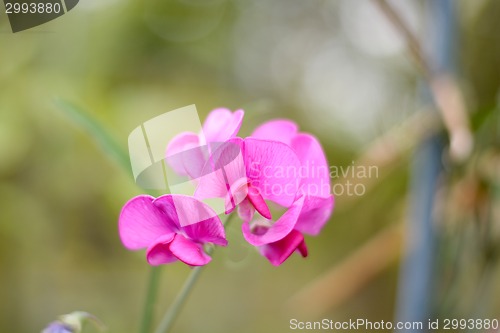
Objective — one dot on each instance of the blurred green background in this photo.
(336, 67)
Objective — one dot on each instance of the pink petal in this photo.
(314, 215)
(272, 167)
(186, 155)
(195, 218)
(315, 171)
(188, 251)
(258, 202)
(180, 152)
(207, 231)
(141, 222)
(159, 252)
(282, 227)
(279, 251)
(225, 169)
(277, 130)
(246, 211)
(302, 249)
(236, 195)
(221, 125)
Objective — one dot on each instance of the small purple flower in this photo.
(59, 327)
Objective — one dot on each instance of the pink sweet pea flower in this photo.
(171, 227)
(247, 173)
(314, 202)
(188, 152)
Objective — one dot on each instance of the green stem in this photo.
(172, 313)
(151, 296)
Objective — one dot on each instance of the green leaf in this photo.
(86, 122)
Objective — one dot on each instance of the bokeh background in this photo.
(336, 67)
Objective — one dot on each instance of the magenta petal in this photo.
(159, 253)
(195, 218)
(314, 215)
(237, 193)
(279, 251)
(209, 230)
(272, 167)
(282, 227)
(181, 150)
(302, 249)
(222, 125)
(316, 173)
(258, 202)
(192, 216)
(141, 222)
(225, 169)
(188, 251)
(277, 130)
(246, 211)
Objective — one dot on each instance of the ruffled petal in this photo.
(281, 250)
(188, 251)
(272, 167)
(183, 153)
(221, 125)
(315, 173)
(277, 130)
(224, 169)
(314, 215)
(141, 222)
(159, 253)
(282, 227)
(192, 216)
(186, 155)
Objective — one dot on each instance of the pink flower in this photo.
(171, 227)
(248, 172)
(277, 165)
(313, 204)
(188, 152)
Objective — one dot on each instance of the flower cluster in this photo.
(247, 175)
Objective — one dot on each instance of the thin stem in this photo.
(174, 310)
(151, 296)
(411, 39)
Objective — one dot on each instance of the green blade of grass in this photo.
(86, 122)
(112, 149)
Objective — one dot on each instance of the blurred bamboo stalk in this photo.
(359, 268)
(446, 93)
(346, 278)
(417, 278)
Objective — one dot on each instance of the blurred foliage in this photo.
(125, 62)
